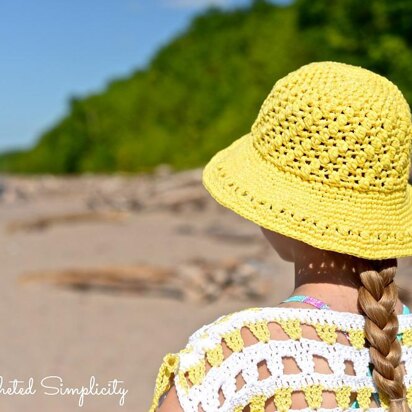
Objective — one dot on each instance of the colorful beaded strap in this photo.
(308, 299)
(317, 303)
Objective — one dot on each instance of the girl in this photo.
(324, 173)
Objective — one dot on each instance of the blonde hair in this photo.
(377, 298)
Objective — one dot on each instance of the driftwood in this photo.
(195, 280)
(132, 279)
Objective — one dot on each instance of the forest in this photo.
(204, 88)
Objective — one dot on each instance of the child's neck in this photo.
(331, 277)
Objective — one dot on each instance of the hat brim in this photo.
(372, 225)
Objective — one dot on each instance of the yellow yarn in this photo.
(234, 340)
(326, 332)
(364, 397)
(313, 395)
(292, 327)
(257, 403)
(407, 337)
(326, 162)
(343, 396)
(164, 378)
(283, 399)
(197, 373)
(215, 356)
(409, 395)
(260, 330)
(357, 338)
(183, 381)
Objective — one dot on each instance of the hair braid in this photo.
(378, 296)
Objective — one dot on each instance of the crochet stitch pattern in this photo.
(215, 389)
(327, 162)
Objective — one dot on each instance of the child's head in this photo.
(326, 166)
(326, 162)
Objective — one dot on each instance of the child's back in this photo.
(279, 358)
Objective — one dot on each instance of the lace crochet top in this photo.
(217, 371)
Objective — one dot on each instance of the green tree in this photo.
(375, 34)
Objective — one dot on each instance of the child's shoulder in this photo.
(259, 319)
(209, 345)
(235, 337)
(232, 332)
(227, 322)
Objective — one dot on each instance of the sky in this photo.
(52, 50)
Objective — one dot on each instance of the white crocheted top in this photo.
(218, 371)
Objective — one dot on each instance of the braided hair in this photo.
(377, 298)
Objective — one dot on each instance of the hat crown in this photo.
(337, 124)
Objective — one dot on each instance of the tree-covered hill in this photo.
(204, 89)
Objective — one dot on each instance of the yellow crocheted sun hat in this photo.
(326, 162)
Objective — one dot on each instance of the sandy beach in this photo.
(55, 325)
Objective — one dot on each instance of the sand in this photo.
(76, 334)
